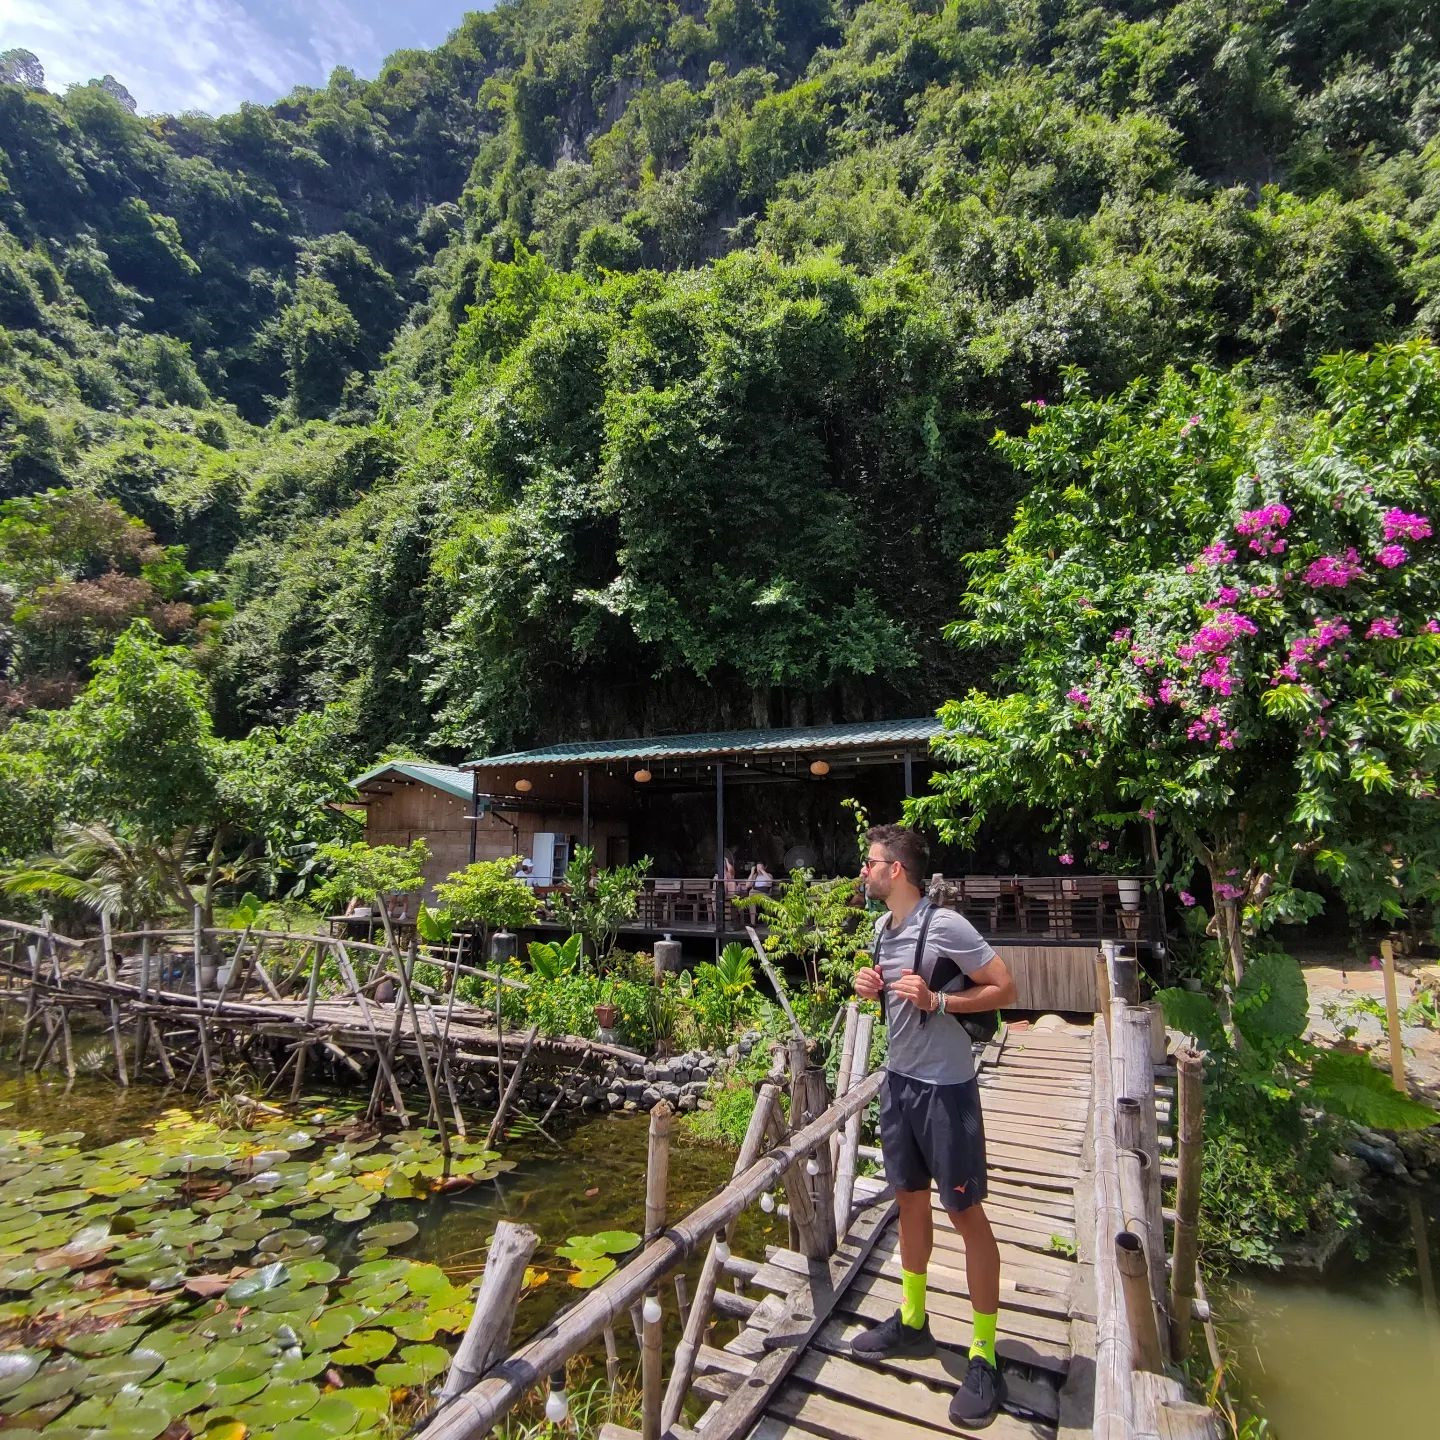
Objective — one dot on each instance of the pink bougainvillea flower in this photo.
(1433, 627)
(1102, 844)
(1391, 556)
(1375, 963)
(1217, 554)
(1038, 403)
(1401, 526)
(1186, 898)
(1121, 635)
(1067, 858)
(1225, 891)
(1334, 572)
(1077, 696)
(1383, 629)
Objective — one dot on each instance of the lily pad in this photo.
(17, 1367)
(104, 1342)
(278, 1404)
(365, 1347)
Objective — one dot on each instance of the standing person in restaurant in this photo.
(933, 967)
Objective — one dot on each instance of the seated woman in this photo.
(359, 909)
(760, 879)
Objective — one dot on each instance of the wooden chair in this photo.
(667, 901)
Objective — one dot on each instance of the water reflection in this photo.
(1356, 1351)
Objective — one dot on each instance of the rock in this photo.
(1347, 1169)
(630, 1107)
(1385, 1160)
(705, 1105)
(696, 1088)
(668, 1091)
(650, 1097)
(651, 1072)
(732, 1052)
(687, 1104)
(616, 1099)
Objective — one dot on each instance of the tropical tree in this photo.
(1221, 617)
(489, 894)
(595, 903)
(371, 872)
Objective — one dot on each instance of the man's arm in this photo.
(991, 987)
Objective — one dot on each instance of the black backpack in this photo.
(981, 1025)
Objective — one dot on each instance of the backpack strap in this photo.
(917, 963)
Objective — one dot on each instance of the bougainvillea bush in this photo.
(1224, 616)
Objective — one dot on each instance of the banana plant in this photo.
(554, 959)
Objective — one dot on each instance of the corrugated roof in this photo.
(874, 735)
(439, 777)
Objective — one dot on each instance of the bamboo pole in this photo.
(408, 998)
(1114, 1394)
(488, 1333)
(682, 1365)
(476, 1412)
(657, 1183)
(311, 990)
(511, 1087)
(383, 1056)
(200, 1024)
(1102, 988)
(842, 1075)
(443, 1052)
(1190, 1103)
(1134, 1270)
(1135, 1077)
(612, 1359)
(112, 975)
(850, 1144)
(1392, 1018)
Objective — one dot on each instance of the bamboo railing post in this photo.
(384, 1056)
(1114, 1394)
(1135, 1078)
(1102, 988)
(443, 1053)
(1392, 1018)
(112, 975)
(204, 1029)
(842, 1075)
(850, 1144)
(407, 997)
(488, 1333)
(514, 1084)
(682, 1365)
(32, 1000)
(657, 1183)
(1190, 1086)
(311, 990)
(142, 1027)
(1134, 1271)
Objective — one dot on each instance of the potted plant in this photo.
(607, 1012)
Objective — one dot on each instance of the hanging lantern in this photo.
(819, 767)
(643, 776)
(524, 786)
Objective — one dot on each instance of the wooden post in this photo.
(510, 1089)
(612, 1359)
(407, 996)
(112, 975)
(1392, 1018)
(1135, 1078)
(842, 1075)
(488, 1333)
(1139, 1310)
(1114, 1392)
(1190, 1102)
(200, 1024)
(142, 1026)
(311, 990)
(682, 1366)
(657, 1183)
(850, 1144)
(1102, 988)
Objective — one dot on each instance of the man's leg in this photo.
(917, 1238)
(982, 1274)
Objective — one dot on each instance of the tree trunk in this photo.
(1227, 924)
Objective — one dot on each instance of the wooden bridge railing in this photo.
(1144, 1308)
(503, 1382)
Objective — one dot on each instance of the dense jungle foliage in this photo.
(624, 364)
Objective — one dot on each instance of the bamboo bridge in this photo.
(1083, 1124)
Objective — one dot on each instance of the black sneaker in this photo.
(977, 1402)
(894, 1337)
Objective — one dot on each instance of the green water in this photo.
(1356, 1351)
(593, 1180)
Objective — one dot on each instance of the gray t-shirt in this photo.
(935, 1049)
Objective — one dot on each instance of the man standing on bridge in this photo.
(932, 966)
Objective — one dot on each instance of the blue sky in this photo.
(176, 55)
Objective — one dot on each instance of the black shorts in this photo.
(934, 1132)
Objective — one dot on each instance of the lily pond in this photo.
(169, 1271)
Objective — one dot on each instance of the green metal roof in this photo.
(438, 777)
(876, 734)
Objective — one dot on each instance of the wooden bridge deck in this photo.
(1036, 1101)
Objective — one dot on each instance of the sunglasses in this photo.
(868, 863)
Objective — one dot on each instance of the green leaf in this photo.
(1349, 1085)
(1271, 1002)
(1196, 1015)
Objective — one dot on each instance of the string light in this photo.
(812, 1166)
(767, 1203)
(722, 1251)
(557, 1402)
(651, 1310)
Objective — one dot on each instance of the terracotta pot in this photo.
(606, 1015)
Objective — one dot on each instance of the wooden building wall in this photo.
(413, 811)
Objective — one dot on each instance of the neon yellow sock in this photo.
(912, 1299)
(983, 1343)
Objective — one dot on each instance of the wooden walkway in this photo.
(1036, 1103)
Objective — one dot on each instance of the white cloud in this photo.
(176, 55)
